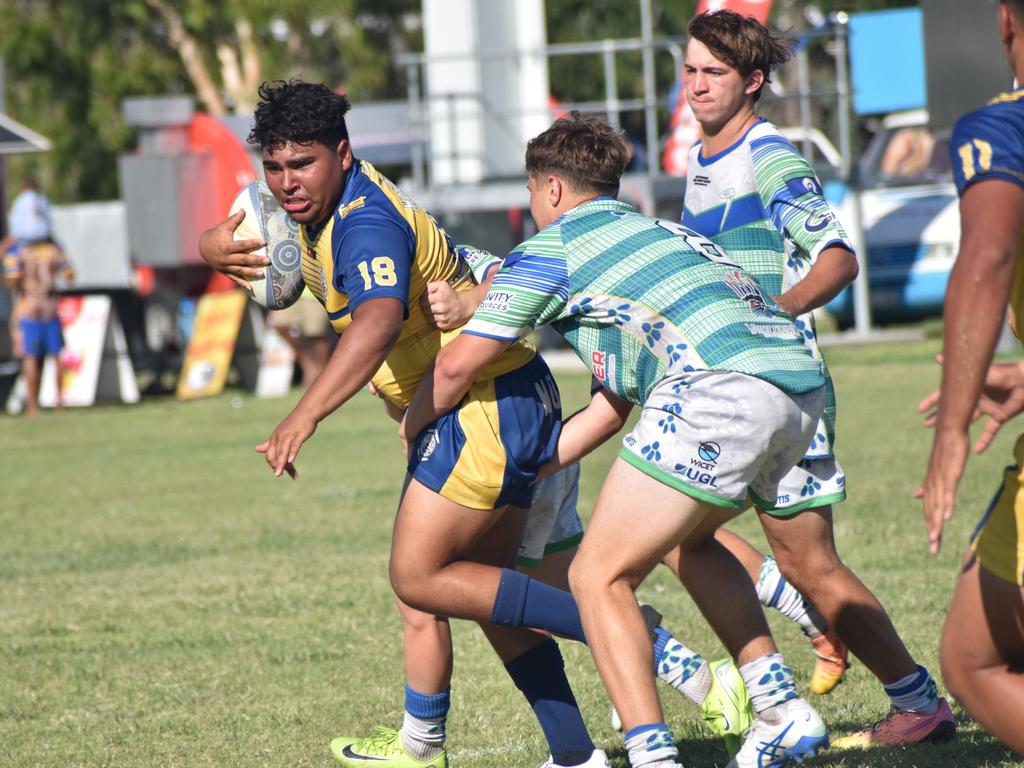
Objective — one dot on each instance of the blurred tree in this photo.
(71, 62)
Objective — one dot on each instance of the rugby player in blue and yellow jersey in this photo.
(982, 649)
(369, 252)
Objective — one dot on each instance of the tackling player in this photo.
(983, 639)
(753, 194)
(663, 319)
(369, 252)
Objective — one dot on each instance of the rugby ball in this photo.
(265, 220)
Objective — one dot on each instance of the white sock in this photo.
(769, 682)
(651, 746)
(423, 738)
(914, 693)
(683, 669)
(775, 592)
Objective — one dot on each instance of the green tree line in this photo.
(70, 63)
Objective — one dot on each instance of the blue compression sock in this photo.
(540, 675)
(525, 602)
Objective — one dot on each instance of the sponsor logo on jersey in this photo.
(746, 288)
(496, 301)
(784, 499)
(773, 331)
(818, 221)
(802, 186)
(701, 181)
(602, 365)
(356, 204)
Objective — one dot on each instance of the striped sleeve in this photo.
(792, 195)
(479, 261)
(531, 289)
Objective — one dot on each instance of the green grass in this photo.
(164, 601)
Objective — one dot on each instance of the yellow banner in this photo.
(218, 320)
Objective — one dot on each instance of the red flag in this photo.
(757, 8)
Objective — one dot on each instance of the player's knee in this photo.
(407, 583)
(583, 578)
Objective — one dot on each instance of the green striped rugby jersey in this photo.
(762, 202)
(639, 298)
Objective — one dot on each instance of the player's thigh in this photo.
(500, 543)
(637, 520)
(985, 624)
(432, 531)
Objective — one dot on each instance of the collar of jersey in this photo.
(602, 203)
(347, 195)
(705, 161)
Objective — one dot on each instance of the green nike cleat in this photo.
(384, 748)
(726, 709)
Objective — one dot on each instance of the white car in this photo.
(910, 219)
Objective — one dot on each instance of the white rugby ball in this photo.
(266, 220)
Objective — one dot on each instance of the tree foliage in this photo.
(70, 63)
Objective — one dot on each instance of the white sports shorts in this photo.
(554, 523)
(717, 435)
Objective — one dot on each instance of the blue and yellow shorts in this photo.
(485, 453)
(998, 541)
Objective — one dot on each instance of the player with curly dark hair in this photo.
(300, 112)
(369, 253)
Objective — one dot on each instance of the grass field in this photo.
(164, 601)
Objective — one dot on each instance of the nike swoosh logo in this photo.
(347, 752)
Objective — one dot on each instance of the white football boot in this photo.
(788, 731)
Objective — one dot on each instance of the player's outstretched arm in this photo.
(455, 369)
(232, 257)
(586, 429)
(833, 270)
(376, 326)
(991, 218)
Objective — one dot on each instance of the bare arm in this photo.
(449, 309)
(588, 428)
(834, 269)
(455, 369)
(376, 326)
(991, 218)
(231, 257)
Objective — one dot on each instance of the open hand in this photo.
(233, 258)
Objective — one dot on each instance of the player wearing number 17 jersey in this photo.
(982, 649)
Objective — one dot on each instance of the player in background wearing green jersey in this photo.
(753, 194)
(664, 319)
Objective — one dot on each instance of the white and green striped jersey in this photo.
(762, 202)
(638, 298)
